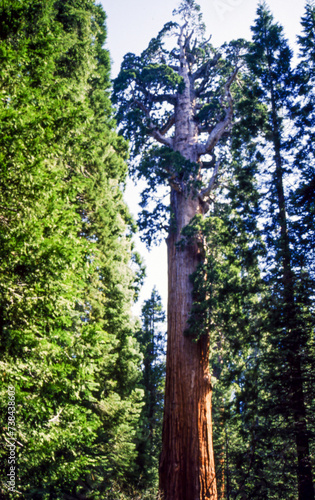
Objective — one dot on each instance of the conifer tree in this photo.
(152, 346)
(180, 99)
(67, 344)
(288, 307)
(303, 197)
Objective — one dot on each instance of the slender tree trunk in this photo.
(221, 454)
(305, 480)
(227, 461)
(187, 462)
(293, 335)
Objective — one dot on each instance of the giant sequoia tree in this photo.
(181, 99)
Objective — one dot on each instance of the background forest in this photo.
(88, 376)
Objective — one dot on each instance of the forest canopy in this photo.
(98, 404)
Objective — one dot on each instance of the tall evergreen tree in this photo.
(152, 345)
(66, 343)
(289, 322)
(304, 196)
(180, 98)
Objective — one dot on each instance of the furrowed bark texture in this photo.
(187, 463)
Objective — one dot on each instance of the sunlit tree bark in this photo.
(181, 99)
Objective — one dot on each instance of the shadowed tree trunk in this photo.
(292, 341)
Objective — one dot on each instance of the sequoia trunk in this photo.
(187, 462)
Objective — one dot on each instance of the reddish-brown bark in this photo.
(171, 114)
(187, 462)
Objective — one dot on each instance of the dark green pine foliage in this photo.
(152, 341)
(252, 461)
(238, 316)
(304, 196)
(288, 322)
(66, 343)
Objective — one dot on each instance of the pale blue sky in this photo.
(132, 23)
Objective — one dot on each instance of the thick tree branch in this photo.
(188, 39)
(181, 45)
(153, 130)
(205, 165)
(202, 129)
(168, 125)
(203, 70)
(170, 98)
(225, 124)
(204, 193)
(188, 52)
